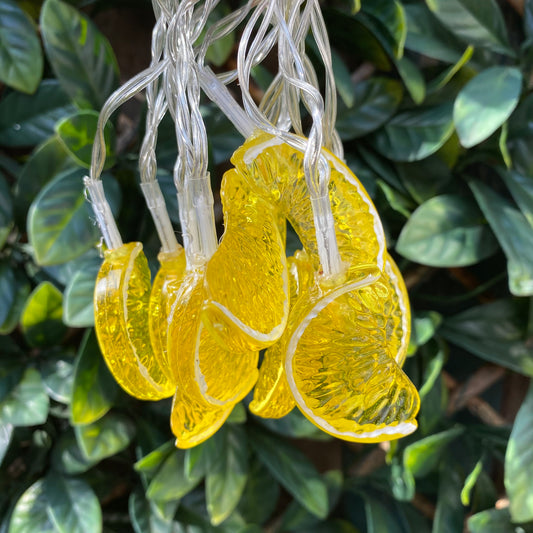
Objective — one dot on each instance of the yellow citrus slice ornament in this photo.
(121, 303)
(342, 361)
(210, 380)
(272, 395)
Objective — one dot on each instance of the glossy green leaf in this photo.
(293, 470)
(478, 23)
(21, 290)
(519, 463)
(6, 433)
(57, 371)
(81, 56)
(376, 100)
(297, 518)
(424, 326)
(6, 211)
(514, 234)
(427, 36)
(226, 479)
(59, 223)
(521, 188)
(492, 521)
(424, 455)
(41, 318)
(151, 463)
(260, 495)
(27, 404)
(382, 514)
(219, 52)
(67, 456)
(72, 505)
(343, 80)
(416, 134)
(7, 290)
(171, 482)
(21, 57)
(106, 437)
(31, 512)
(391, 16)
(445, 76)
(94, 388)
(470, 483)
(412, 78)
(47, 160)
(144, 518)
(447, 230)
(29, 120)
(520, 136)
(200, 459)
(77, 133)
(495, 332)
(478, 112)
(78, 308)
(449, 514)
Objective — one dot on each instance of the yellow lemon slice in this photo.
(171, 273)
(121, 303)
(272, 395)
(246, 278)
(196, 359)
(275, 171)
(341, 361)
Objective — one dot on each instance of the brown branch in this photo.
(517, 5)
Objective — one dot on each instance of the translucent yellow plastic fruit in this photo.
(272, 395)
(246, 278)
(121, 303)
(210, 380)
(342, 360)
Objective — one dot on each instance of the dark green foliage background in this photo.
(436, 113)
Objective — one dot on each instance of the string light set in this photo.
(333, 319)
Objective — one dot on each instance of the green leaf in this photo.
(427, 36)
(376, 100)
(424, 179)
(105, 437)
(520, 136)
(447, 230)
(6, 212)
(59, 223)
(72, 505)
(143, 518)
(77, 132)
(478, 112)
(391, 18)
(425, 324)
(94, 388)
(226, 479)
(424, 455)
(151, 463)
(200, 459)
(416, 134)
(171, 482)
(6, 433)
(521, 188)
(260, 495)
(21, 57)
(445, 76)
(382, 514)
(343, 80)
(7, 290)
(46, 161)
(81, 56)
(297, 518)
(495, 332)
(31, 512)
(449, 515)
(519, 463)
(293, 470)
(29, 120)
(412, 78)
(78, 308)
(57, 371)
(21, 289)
(41, 318)
(492, 521)
(514, 234)
(478, 23)
(27, 404)
(67, 456)
(470, 483)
